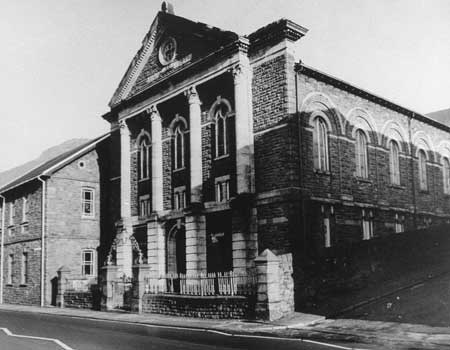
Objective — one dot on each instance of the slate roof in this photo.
(442, 116)
(51, 166)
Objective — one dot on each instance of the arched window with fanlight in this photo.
(446, 175)
(220, 113)
(320, 149)
(361, 155)
(394, 162)
(144, 153)
(422, 159)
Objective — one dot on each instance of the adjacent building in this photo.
(51, 219)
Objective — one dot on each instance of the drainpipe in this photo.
(2, 247)
(44, 190)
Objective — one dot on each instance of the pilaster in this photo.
(195, 138)
(156, 250)
(244, 126)
(157, 160)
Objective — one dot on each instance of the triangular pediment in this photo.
(171, 44)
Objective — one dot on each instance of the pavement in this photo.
(382, 335)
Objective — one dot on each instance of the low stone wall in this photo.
(82, 300)
(215, 307)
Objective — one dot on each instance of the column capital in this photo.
(192, 95)
(153, 112)
(123, 126)
(240, 70)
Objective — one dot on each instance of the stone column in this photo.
(124, 250)
(157, 160)
(156, 252)
(195, 137)
(195, 226)
(243, 127)
(125, 166)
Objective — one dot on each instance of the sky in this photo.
(61, 60)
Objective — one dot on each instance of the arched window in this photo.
(422, 170)
(178, 146)
(320, 149)
(220, 117)
(144, 157)
(394, 162)
(446, 175)
(361, 155)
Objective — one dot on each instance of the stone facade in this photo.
(67, 232)
(276, 199)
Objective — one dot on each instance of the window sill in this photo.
(363, 179)
(86, 217)
(222, 157)
(144, 179)
(24, 223)
(398, 187)
(179, 169)
(322, 172)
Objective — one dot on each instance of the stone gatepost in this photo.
(110, 276)
(140, 272)
(274, 276)
(63, 273)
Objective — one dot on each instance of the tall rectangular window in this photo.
(327, 212)
(399, 223)
(87, 202)
(24, 209)
(87, 262)
(9, 279)
(394, 162)
(320, 147)
(12, 213)
(179, 198)
(446, 175)
(367, 224)
(361, 155)
(222, 188)
(423, 170)
(24, 269)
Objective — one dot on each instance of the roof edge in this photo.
(48, 172)
(315, 73)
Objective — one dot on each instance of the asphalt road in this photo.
(86, 334)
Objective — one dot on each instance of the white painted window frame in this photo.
(83, 201)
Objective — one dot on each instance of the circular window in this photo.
(167, 51)
(81, 165)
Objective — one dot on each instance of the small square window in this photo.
(144, 206)
(179, 198)
(222, 189)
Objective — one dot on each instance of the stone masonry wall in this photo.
(23, 236)
(204, 307)
(68, 232)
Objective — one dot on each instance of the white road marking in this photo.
(56, 341)
(204, 330)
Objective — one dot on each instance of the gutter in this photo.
(2, 247)
(43, 213)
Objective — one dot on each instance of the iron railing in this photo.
(202, 284)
